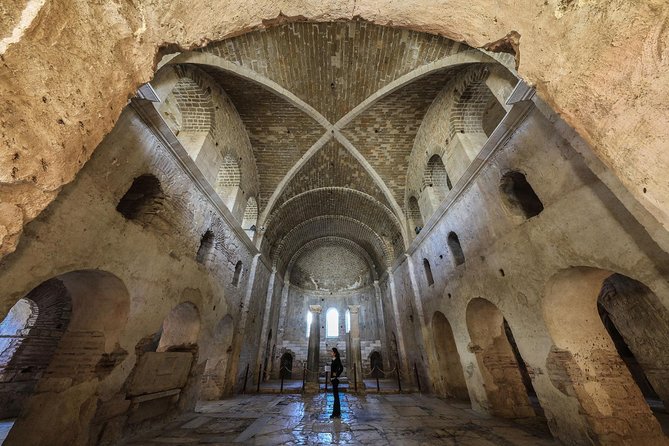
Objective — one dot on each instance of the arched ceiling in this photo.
(332, 111)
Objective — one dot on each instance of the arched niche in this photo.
(449, 368)
(100, 304)
(215, 372)
(506, 392)
(584, 362)
(181, 328)
(228, 180)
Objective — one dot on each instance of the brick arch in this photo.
(86, 354)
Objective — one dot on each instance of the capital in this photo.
(315, 309)
(354, 309)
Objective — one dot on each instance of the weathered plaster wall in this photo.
(509, 261)
(154, 261)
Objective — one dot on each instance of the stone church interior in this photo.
(200, 199)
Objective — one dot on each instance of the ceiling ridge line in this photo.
(452, 60)
(315, 148)
(209, 59)
(397, 210)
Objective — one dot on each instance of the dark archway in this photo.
(286, 370)
(518, 195)
(376, 365)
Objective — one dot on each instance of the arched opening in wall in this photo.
(181, 329)
(347, 321)
(214, 376)
(493, 113)
(68, 345)
(428, 272)
(143, 200)
(29, 337)
(376, 365)
(189, 111)
(500, 367)
(228, 180)
(476, 109)
(621, 348)
(250, 217)
(415, 218)
(206, 249)
(436, 182)
(332, 323)
(518, 195)
(286, 370)
(451, 376)
(456, 249)
(237, 274)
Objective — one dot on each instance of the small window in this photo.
(332, 323)
(206, 247)
(238, 273)
(415, 217)
(142, 200)
(428, 272)
(347, 321)
(456, 248)
(519, 195)
(310, 317)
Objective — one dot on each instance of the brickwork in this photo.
(335, 55)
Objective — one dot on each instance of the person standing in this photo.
(336, 369)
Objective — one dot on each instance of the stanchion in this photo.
(259, 379)
(326, 381)
(399, 383)
(282, 374)
(378, 388)
(246, 377)
(304, 377)
(415, 369)
(355, 377)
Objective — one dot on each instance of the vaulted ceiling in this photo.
(332, 111)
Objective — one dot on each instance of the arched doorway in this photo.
(610, 335)
(62, 404)
(500, 365)
(213, 379)
(452, 379)
(286, 370)
(376, 365)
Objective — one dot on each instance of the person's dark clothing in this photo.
(336, 368)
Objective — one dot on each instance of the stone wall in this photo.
(151, 264)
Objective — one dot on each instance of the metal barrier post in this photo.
(282, 374)
(415, 369)
(304, 377)
(355, 377)
(246, 377)
(399, 383)
(259, 379)
(378, 388)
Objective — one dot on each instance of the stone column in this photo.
(313, 353)
(355, 352)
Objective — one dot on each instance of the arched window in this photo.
(332, 323)
(228, 180)
(436, 177)
(519, 195)
(347, 320)
(415, 218)
(206, 247)
(428, 272)
(238, 273)
(310, 317)
(250, 217)
(456, 248)
(143, 200)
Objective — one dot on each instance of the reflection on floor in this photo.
(407, 419)
(5, 426)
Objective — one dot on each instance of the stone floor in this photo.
(406, 419)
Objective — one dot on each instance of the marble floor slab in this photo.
(366, 420)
